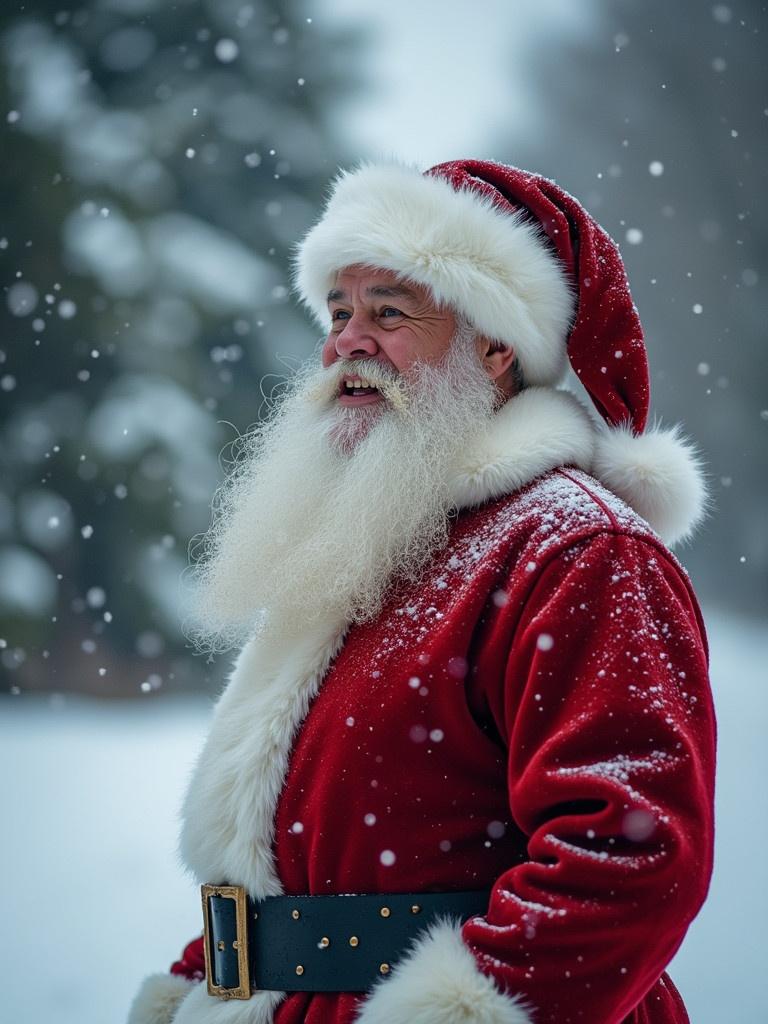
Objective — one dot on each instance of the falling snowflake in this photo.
(226, 50)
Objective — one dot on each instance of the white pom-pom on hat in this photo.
(659, 473)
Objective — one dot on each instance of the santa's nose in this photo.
(356, 340)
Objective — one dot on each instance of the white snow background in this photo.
(93, 897)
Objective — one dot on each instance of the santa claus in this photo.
(462, 770)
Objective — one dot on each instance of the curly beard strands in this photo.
(325, 508)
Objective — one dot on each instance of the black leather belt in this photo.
(338, 943)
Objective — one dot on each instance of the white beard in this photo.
(327, 505)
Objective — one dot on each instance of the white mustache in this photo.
(389, 382)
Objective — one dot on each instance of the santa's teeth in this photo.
(356, 384)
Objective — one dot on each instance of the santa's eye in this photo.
(390, 311)
(339, 314)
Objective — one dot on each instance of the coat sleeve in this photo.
(606, 710)
(604, 705)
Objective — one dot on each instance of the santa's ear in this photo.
(496, 357)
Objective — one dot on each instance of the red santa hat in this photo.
(526, 264)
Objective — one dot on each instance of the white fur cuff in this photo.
(158, 999)
(439, 983)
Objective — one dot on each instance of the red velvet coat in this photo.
(535, 718)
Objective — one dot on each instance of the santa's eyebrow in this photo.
(377, 290)
(390, 291)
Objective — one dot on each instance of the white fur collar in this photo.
(658, 473)
(532, 433)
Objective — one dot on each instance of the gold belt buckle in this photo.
(236, 893)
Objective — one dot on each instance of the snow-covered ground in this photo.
(93, 898)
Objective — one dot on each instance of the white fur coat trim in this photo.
(229, 811)
(200, 1008)
(158, 999)
(228, 816)
(496, 268)
(439, 983)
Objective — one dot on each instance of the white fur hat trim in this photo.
(495, 267)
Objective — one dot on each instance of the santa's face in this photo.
(376, 315)
(383, 328)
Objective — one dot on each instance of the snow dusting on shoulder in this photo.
(557, 509)
(552, 513)
(569, 500)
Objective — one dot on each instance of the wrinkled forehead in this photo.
(360, 280)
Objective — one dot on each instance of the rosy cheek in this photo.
(401, 356)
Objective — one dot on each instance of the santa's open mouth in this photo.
(357, 386)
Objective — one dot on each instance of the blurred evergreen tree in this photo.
(160, 160)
